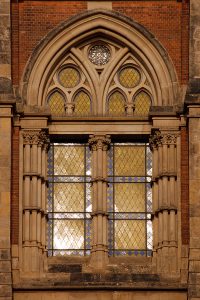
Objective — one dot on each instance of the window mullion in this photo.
(99, 145)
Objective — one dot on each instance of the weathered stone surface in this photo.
(4, 254)
(194, 291)
(194, 266)
(4, 7)
(5, 266)
(119, 277)
(5, 278)
(71, 268)
(5, 290)
(102, 295)
(5, 85)
(194, 278)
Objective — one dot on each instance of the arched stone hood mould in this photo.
(110, 24)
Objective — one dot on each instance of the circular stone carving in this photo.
(99, 55)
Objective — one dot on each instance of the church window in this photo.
(129, 199)
(88, 84)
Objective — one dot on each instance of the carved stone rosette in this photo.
(36, 144)
(164, 186)
(99, 145)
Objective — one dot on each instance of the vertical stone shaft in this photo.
(99, 145)
(163, 146)
(34, 232)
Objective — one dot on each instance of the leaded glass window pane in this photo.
(142, 104)
(129, 160)
(82, 104)
(56, 103)
(129, 77)
(116, 104)
(69, 199)
(69, 77)
(129, 199)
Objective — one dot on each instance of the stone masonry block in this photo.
(5, 266)
(184, 251)
(194, 266)
(184, 263)
(194, 278)
(194, 242)
(5, 290)
(194, 254)
(4, 254)
(5, 278)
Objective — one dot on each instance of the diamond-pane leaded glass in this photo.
(129, 199)
(69, 199)
(56, 103)
(130, 234)
(129, 160)
(68, 234)
(142, 104)
(116, 104)
(69, 160)
(69, 77)
(82, 104)
(129, 77)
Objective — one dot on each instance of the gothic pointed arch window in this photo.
(105, 84)
(99, 88)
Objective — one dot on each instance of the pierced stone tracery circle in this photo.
(99, 54)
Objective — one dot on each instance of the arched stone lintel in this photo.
(53, 46)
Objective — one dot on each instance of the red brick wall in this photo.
(167, 20)
(31, 21)
(15, 187)
(184, 186)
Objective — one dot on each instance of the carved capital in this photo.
(31, 137)
(99, 142)
(169, 138)
(155, 139)
(44, 140)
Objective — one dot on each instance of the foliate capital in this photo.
(36, 137)
(99, 142)
(31, 137)
(155, 139)
(44, 140)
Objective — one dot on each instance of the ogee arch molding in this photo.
(111, 25)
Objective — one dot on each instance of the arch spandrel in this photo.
(106, 24)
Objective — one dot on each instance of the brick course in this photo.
(184, 187)
(15, 186)
(167, 20)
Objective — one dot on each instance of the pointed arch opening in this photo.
(102, 26)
